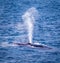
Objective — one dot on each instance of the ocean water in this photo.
(46, 31)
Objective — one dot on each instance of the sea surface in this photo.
(46, 31)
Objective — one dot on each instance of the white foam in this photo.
(6, 44)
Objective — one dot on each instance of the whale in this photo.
(33, 45)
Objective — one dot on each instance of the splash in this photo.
(29, 18)
(6, 44)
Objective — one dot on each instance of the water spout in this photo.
(29, 19)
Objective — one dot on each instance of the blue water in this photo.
(46, 31)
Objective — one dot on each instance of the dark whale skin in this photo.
(34, 45)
